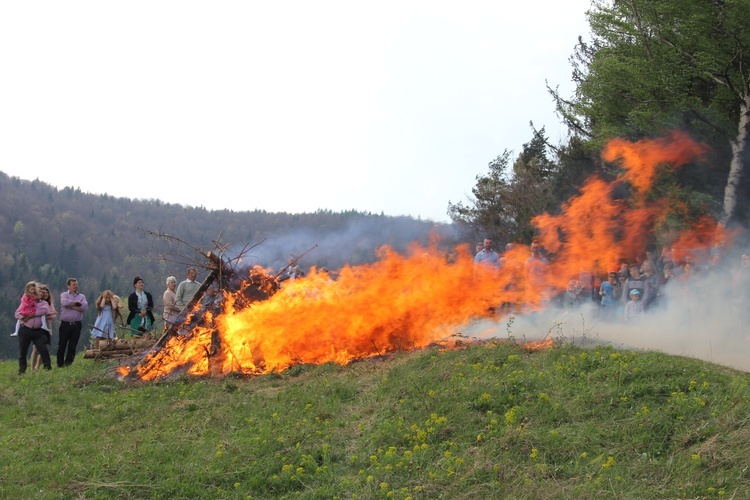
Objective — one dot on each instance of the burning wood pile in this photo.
(254, 285)
(244, 285)
(257, 326)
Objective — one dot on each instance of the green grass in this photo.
(489, 421)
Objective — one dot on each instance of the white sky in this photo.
(388, 106)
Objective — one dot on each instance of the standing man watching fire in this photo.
(72, 307)
(487, 256)
(186, 289)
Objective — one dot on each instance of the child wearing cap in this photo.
(634, 307)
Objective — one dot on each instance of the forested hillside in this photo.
(50, 234)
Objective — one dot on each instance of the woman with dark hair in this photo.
(45, 295)
(140, 304)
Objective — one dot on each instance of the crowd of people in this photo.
(36, 315)
(630, 289)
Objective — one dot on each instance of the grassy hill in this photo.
(491, 420)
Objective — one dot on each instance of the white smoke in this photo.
(702, 318)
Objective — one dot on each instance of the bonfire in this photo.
(258, 325)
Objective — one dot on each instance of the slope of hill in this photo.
(49, 234)
(492, 420)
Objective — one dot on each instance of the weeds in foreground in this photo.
(489, 420)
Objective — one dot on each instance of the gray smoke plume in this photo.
(357, 243)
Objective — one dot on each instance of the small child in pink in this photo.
(28, 306)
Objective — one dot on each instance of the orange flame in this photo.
(397, 303)
(538, 345)
(641, 160)
(404, 302)
(696, 241)
(595, 232)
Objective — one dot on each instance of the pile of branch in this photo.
(247, 284)
(119, 348)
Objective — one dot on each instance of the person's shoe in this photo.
(14, 334)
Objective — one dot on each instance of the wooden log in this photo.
(96, 355)
(261, 287)
(115, 344)
(118, 348)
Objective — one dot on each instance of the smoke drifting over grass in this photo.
(703, 317)
(700, 319)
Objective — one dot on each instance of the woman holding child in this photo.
(45, 295)
(30, 330)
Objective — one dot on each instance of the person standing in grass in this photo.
(140, 304)
(536, 269)
(186, 289)
(639, 282)
(107, 308)
(72, 307)
(30, 331)
(634, 307)
(609, 291)
(169, 299)
(28, 305)
(45, 295)
(486, 256)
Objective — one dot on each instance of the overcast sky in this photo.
(388, 106)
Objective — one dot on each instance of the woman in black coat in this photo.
(140, 304)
